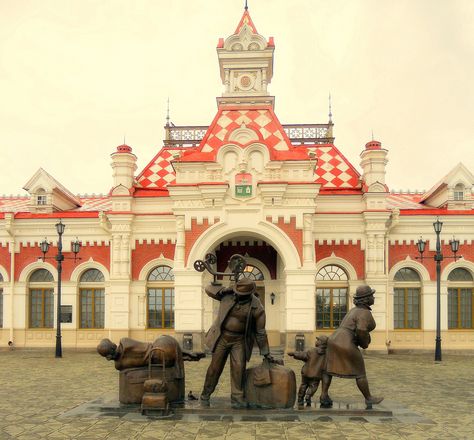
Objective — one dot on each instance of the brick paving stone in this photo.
(39, 388)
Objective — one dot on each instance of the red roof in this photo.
(246, 20)
(333, 170)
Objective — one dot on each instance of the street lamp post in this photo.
(438, 258)
(76, 247)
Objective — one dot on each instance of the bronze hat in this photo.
(244, 287)
(364, 291)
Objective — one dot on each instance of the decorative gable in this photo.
(48, 195)
(453, 191)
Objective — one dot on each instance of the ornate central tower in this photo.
(246, 65)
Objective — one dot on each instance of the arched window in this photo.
(41, 197)
(253, 273)
(332, 290)
(406, 299)
(460, 299)
(459, 192)
(160, 298)
(1, 301)
(41, 287)
(91, 299)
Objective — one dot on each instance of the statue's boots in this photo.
(373, 400)
(205, 399)
(325, 402)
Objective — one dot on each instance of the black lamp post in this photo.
(438, 257)
(76, 247)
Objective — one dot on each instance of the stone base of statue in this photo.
(220, 409)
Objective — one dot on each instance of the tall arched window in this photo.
(460, 299)
(252, 273)
(1, 301)
(406, 299)
(41, 287)
(160, 298)
(331, 296)
(91, 299)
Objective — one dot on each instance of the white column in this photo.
(308, 242)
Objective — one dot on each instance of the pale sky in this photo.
(76, 76)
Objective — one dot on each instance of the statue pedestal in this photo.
(220, 410)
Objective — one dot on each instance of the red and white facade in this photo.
(248, 185)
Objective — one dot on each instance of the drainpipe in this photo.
(11, 247)
(394, 218)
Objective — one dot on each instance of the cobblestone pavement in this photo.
(36, 388)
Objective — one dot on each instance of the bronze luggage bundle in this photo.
(270, 385)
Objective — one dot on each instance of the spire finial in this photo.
(168, 112)
(330, 109)
(125, 143)
(246, 6)
(373, 134)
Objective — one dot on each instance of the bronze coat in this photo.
(343, 357)
(133, 354)
(314, 362)
(255, 326)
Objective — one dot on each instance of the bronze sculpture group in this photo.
(240, 323)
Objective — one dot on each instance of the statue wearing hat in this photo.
(239, 323)
(343, 357)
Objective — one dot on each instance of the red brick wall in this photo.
(194, 233)
(145, 252)
(399, 251)
(294, 234)
(350, 252)
(29, 254)
(264, 253)
(5, 259)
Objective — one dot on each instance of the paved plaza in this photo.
(38, 389)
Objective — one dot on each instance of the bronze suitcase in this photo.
(131, 383)
(280, 393)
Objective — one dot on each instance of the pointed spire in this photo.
(246, 6)
(330, 108)
(330, 134)
(245, 20)
(167, 126)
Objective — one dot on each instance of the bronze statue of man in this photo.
(240, 322)
(343, 357)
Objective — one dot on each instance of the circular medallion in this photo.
(246, 82)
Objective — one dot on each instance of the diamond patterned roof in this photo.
(159, 172)
(262, 120)
(333, 169)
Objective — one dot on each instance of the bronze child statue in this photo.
(312, 370)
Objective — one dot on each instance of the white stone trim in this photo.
(90, 264)
(263, 230)
(348, 267)
(468, 265)
(146, 269)
(27, 270)
(6, 278)
(412, 264)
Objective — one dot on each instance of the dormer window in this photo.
(41, 197)
(459, 192)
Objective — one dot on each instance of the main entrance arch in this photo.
(292, 286)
